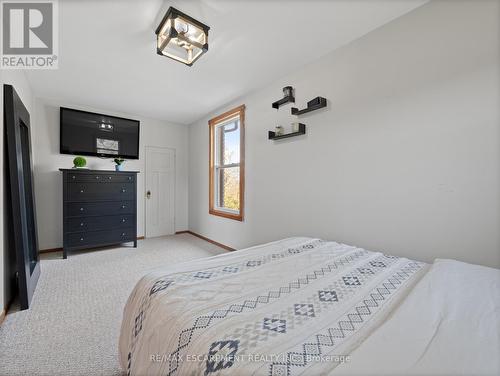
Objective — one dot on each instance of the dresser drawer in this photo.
(100, 208)
(83, 209)
(121, 177)
(80, 191)
(100, 237)
(106, 222)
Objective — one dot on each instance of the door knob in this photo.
(148, 194)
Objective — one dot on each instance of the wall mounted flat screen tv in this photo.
(89, 133)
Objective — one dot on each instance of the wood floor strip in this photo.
(207, 239)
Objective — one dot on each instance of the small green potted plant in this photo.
(119, 163)
(79, 162)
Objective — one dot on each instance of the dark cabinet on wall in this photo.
(99, 208)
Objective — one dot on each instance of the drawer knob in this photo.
(81, 224)
(97, 177)
(124, 207)
(81, 209)
(73, 177)
(109, 177)
(130, 178)
(81, 239)
(81, 190)
(123, 234)
(124, 220)
(124, 190)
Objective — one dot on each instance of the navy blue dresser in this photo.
(99, 208)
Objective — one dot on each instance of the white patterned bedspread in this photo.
(448, 325)
(296, 306)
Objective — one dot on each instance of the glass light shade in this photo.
(181, 37)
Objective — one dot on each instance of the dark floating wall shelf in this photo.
(287, 97)
(302, 130)
(312, 105)
(285, 100)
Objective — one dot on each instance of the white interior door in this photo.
(160, 191)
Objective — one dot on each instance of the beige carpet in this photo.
(73, 325)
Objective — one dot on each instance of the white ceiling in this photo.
(108, 58)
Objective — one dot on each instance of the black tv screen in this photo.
(89, 133)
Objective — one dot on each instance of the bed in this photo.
(304, 306)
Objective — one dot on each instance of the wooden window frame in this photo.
(212, 123)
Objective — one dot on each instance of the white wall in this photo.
(47, 161)
(405, 159)
(17, 79)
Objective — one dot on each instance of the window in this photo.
(227, 164)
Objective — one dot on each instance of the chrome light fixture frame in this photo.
(173, 34)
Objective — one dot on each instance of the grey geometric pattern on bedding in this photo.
(164, 282)
(314, 306)
(337, 278)
(228, 348)
(319, 343)
(238, 267)
(205, 321)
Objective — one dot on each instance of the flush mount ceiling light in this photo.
(181, 37)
